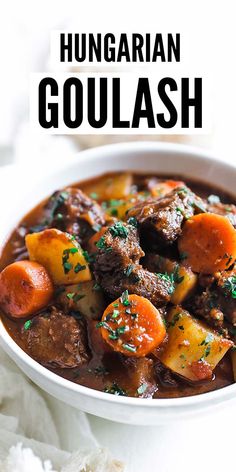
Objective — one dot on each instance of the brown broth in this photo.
(107, 368)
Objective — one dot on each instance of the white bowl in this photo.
(146, 157)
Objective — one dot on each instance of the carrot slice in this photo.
(208, 243)
(25, 288)
(132, 326)
(163, 188)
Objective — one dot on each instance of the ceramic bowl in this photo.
(30, 189)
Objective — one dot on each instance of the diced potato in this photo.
(185, 287)
(184, 278)
(119, 208)
(114, 187)
(86, 297)
(193, 350)
(60, 254)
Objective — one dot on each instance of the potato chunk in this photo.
(117, 186)
(86, 297)
(192, 349)
(185, 284)
(60, 254)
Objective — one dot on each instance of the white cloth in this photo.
(39, 433)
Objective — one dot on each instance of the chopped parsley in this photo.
(169, 279)
(57, 200)
(128, 270)
(142, 389)
(174, 320)
(88, 257)
(117, 332)
(74, 296)
(67, 267)
(96, 287)
(94, 195)
(79, 267)
(119, 230)
(125, 298)
(27, 325)
(114, 389)
(208, 339)
(230, 286)
(133, 221)
(129, 347)
(207, 351)
(115, 313)
(101, 244)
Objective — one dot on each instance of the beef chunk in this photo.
(56, 340)
(217, 303)
(160, 219)
(223, 209)
(117, 267)
(73, 211)
(140, 376)
(165, 377)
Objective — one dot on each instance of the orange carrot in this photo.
(95, 238)
(25, 288)
(163, 188)
(208, 243)
(132, 326)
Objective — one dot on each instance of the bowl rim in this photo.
(10, 346)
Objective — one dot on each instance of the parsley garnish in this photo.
(169, 279)
(119, 230)
(101, 244)
(67, 267)
(94, 195)
(27, 325)
(128, 270)
(175, 318)
(79, 267)
(58, 200)
(142, 388)
(114, 389)
(65, 256)
(208, 339)
(133, 221)
(129, 347)
(125, 298)
(230, 286)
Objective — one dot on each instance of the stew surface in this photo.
(127, 284)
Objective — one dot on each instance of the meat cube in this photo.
(73, 211)
(56, 340)
(160, 219)
(117, 267)
(140, 376)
